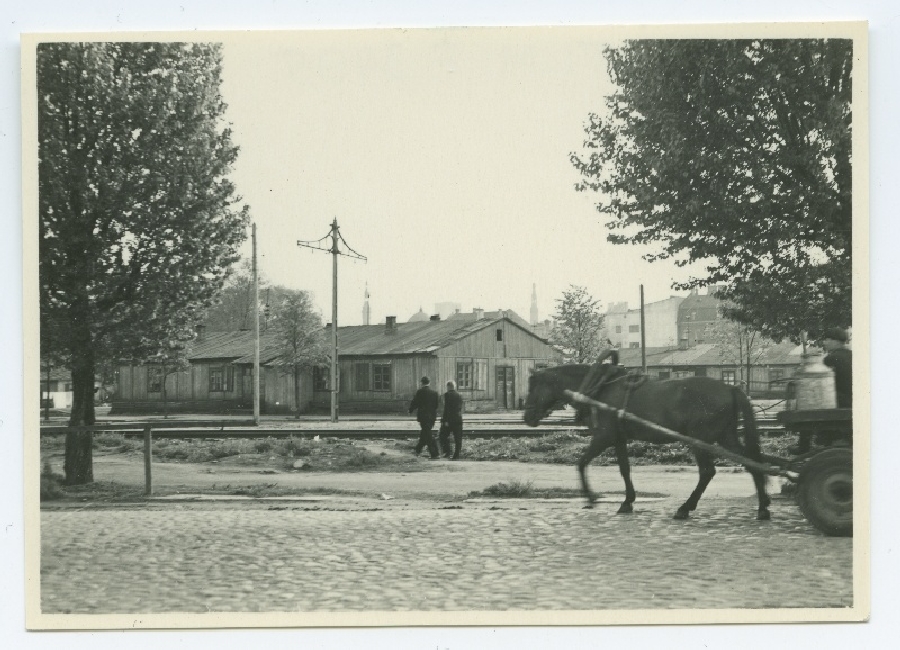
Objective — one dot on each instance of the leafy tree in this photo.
(138, 220)
(739, 345)
(232, 309)
(736, 154)
(299, 338)
(578, 329)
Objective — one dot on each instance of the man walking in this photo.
(451, 421)
(425, 403)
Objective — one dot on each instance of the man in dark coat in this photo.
(451, 421)
(425, 403)
(840, 360)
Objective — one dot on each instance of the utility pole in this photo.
(256, 381)
(335, 235)
(643, 336)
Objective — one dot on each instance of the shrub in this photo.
(51, 484)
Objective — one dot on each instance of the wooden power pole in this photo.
(334, 249)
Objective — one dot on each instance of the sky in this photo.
(444, 157)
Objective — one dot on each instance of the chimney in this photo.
(390, 325)
(479, 313)
(200, 329)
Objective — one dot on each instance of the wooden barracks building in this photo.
(380, 367)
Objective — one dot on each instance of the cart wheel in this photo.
(825, 493)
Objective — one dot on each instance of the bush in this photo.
(51, 484)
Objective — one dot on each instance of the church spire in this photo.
(534, 309)
(367, 312)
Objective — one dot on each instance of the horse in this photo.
(700, 407)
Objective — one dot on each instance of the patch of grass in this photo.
(515, 489)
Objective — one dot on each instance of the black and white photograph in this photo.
(446, 327)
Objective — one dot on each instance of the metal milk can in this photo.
(813, 384)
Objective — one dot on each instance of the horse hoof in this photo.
(763, 515)
(681, 514)
(625, 509)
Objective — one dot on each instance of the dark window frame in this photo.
(381, 380)
(465, 375)
(223, 385)
(320, 378)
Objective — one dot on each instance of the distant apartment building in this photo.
(623, 325)
(696, 313)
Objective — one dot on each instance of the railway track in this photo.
(221, 430)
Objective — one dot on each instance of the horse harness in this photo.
(631, 379)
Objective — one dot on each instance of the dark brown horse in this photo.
(702, 408)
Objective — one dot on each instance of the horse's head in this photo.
(546, 390)
(543, 394)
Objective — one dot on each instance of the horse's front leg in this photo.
(625, 471)
(599, 442)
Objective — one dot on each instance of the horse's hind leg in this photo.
(599, 442)
(707, 472)
(625, 471)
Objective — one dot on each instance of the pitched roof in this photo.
(706, 354)
(230, 345)
(407, 338)
(421, 337)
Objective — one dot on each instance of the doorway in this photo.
(506, 387)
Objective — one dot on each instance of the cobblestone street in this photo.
(516, 555)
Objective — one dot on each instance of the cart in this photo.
(824, 475)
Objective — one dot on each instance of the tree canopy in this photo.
(139, 224)
(735, 154)
(579, 326)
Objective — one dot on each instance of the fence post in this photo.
(148, 483)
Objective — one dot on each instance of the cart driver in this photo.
(840, 359)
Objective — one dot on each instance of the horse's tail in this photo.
(751, 434)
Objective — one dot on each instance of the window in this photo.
(499, 334)
(729, 377)
(381, 376)
(154, 380)
(320, 377)
(664, 374)
(220, 379)
(618, 329)
(464, 372)
(362, 376)
(681, 374)
(634, 328)
(634, 345)
(472, 375)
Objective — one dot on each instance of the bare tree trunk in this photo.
(297, 390)
(165, 397)
(79, 444)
